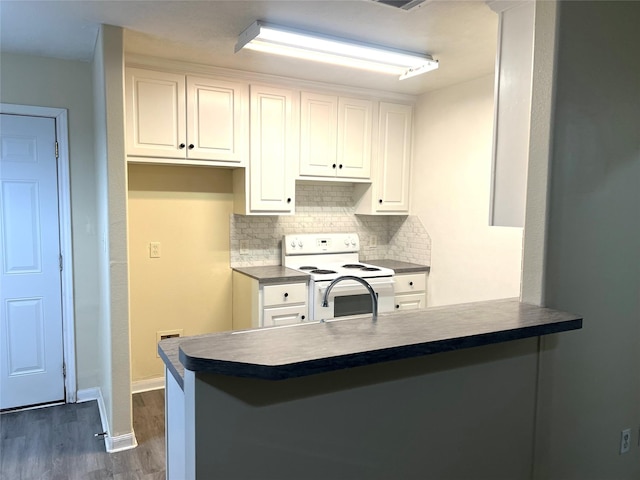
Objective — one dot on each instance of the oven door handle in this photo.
(356, 289)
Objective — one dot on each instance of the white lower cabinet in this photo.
(256, 305)
(276, 316)
(410, 291)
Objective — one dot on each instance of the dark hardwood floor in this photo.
(58, 443)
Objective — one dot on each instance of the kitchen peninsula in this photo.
(288, 402)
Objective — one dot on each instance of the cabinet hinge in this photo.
(56, 149)
(60, 262)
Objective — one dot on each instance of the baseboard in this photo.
(147, 385)
(112, 444)
(120, 443)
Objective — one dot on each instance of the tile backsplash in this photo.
(328, 208)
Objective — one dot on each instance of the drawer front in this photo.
(410, 283)
(411, 301)
(277, 316)
(285, 294)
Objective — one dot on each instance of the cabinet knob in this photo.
(286, 295)
(334, 165)
(397, 306)
(380, 201)
(340, 166)
(411, 284)
(302, 317)
(191, 145)
(182, 145)
(288, 200)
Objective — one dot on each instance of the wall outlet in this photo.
(163, 335)
(154, 250)
(625, 440)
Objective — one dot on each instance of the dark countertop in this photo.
(273, 274)
(307, 349)
(400, 267)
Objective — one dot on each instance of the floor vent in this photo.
(401, 4)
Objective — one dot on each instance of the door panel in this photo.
(31, 357)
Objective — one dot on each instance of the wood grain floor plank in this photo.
(58, 443)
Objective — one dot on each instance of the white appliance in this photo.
(327, 256)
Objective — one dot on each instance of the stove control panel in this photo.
(314, 243)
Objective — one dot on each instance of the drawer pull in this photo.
(397, 306)
(411, 284)
(286, 295)
(302, 317)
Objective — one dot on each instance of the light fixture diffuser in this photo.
(269, 38)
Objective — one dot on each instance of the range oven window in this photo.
(352, 305)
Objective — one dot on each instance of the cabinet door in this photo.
(216, 126)
(411, 301)
(155, 114)
(273, 150)
(394, 158)
(355, 118)
(273, 317)
(318, 134)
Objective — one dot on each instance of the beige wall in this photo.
(451, 174)
(47, 82)
(187, 210)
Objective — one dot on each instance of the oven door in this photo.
(350, 298)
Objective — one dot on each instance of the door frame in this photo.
(66, 240)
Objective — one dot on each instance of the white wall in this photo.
(47, 82)
(108, 75)
(590, 380)
(451, 177)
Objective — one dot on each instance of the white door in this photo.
(31, 356)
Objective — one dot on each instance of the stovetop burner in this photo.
(307, 267)
(323, 272)
(352, 265)
(370, 269)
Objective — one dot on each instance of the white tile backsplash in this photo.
(328, 208)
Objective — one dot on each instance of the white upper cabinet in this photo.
(268, 185)
(216, 125)
(391, 181)
(318, 134)
(389, 189)
(192, 119)
(155, 114)
(335, 136)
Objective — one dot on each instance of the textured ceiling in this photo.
(460, 34)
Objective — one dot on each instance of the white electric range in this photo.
(327, 256)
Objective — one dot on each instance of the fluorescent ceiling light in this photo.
(265, 37)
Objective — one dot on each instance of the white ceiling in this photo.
(460, 34)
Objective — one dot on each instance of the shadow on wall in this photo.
(328, 208)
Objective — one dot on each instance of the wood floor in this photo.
(58, 443)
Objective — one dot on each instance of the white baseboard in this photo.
(112, 444)
(120, 443)
(147, 385)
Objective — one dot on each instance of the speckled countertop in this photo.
(311, 348)
(400, 267)
(273, 274)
